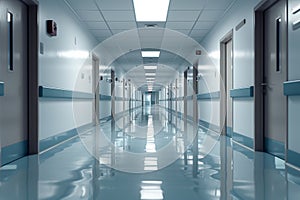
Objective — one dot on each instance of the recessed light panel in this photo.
(150, 54)
(151, 10)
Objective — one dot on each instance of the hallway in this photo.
(149, 99)
(228, 171)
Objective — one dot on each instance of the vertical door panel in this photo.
(275, 73)
(229, 87)
(13, 71)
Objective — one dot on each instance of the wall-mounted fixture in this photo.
(109, 80)
(240, 25)
(51, 28)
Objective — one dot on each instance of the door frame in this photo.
(259, 75)
(95, 89)
(223, 72)
(33, 82)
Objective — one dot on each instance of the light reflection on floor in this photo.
(228, 171)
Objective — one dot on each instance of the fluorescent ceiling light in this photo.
(150, 78)
(151, 10)
(150, 54)
(150, 67)
(149, 74)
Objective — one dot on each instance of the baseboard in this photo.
(274, 147)
(293, 158)
(64, 136)
(242, 139)
(13, 152)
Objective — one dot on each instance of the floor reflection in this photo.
(225, 170)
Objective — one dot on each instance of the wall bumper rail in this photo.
(291, 88)
(47, 92)
(242, 92)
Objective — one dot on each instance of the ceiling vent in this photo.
(151, 25)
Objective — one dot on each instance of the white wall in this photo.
(59, 69)
(293, 74)
(104, 106)
(243, 62)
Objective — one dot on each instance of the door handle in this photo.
(1, 88)
(264, 84)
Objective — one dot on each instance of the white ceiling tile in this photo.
(182, 15)
(116, 31)
(198, 39)
(204, 25)
(199, 32)
(187, 4)
(101, 33)
(119, 16)
(183, 31)
(211, 15)
(122, 25)
(217, 4)
(115, 4)
(179, 25)
(88, 15)
(96, 25)
(82, 5)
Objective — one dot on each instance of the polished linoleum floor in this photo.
(141, 156)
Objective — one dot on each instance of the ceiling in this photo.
(105, 18)
(168, 66)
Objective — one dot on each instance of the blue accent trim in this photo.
(63, 94)
(13, 152)
(293, 158)
(243, 139)
(180, 98)
(274, 147)
(1, 89)
(104, 97)
(242, 92)
(209, 125)
(118, 99)
(189, 97)
(291, 88)
(229, 131)
(213, 95)
(56, 139)
(105, 119)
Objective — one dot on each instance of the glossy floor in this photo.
(220, 169)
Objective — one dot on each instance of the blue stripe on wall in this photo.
(105, 119)
(189, 97)
(243, 139)
(1, 89)
(56, 139)
(291, 88)
(209, 125)
(105, 97)
(229, 131)
(242, 92)
(213, 95)
(293, 158)
(180, 98)
(14, 152)
(274, 147)
(64, 94)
